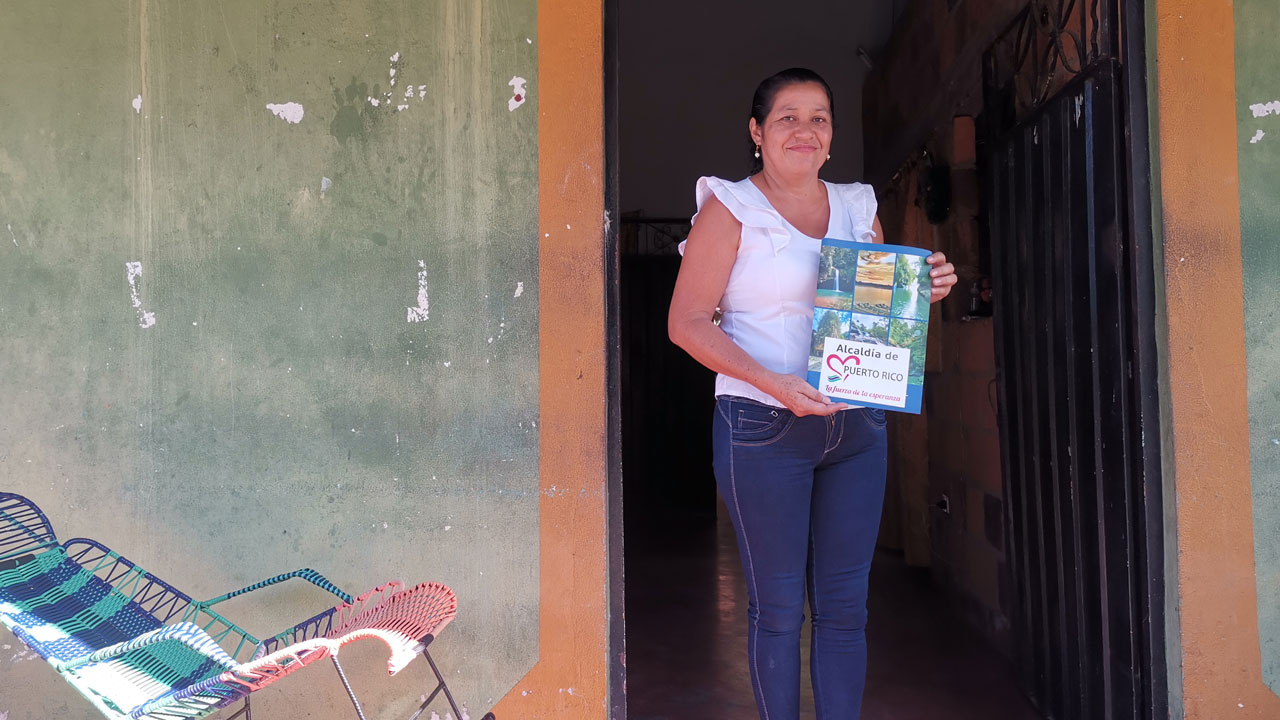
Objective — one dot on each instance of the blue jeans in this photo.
(805, 495)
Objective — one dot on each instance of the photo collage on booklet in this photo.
(879, 297)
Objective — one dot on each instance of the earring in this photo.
(828, 156)
(757, 152)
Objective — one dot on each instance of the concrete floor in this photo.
(686, 640)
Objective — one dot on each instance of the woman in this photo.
(803, 477)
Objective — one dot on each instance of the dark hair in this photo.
(768, 90)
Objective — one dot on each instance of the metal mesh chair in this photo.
(136, 647)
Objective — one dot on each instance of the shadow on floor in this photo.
(686, 639)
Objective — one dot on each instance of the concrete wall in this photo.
(357, 336)
(1217, 201)
(687, 79)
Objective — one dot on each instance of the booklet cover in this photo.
(870, 324)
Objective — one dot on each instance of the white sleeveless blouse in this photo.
(767, 306)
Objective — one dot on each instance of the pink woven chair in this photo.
(406, 621)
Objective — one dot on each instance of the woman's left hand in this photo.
(943, 274)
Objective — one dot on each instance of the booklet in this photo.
(870, 324)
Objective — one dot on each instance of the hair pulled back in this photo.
(767, 92)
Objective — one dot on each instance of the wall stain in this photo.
(352, 116)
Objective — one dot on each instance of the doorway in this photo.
(679, 115)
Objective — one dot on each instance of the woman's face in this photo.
(796, 135)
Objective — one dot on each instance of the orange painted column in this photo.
(1198, 156)
(570, 679)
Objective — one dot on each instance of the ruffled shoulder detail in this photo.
(747, 205)
(859, 201)
(743, 200)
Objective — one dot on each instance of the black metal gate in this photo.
(1075, 366)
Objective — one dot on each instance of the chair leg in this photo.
(441, 686)
(350, 693)
(246, 711)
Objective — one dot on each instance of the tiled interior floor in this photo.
(686, 647)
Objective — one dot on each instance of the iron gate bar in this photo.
(1115, 440)
(1065, 499)
(1078, 315)
(1158, 685)
(1071, 439)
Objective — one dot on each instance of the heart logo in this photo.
(838, 364)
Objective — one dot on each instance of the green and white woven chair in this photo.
(137, 647)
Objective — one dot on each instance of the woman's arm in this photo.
(709, 256)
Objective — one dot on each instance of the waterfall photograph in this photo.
(836, 273)
(911, 288)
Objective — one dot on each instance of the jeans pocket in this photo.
(875, 417)
(751, 418)
(752, 423)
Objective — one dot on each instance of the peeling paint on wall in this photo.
(133, 271)
(290, 112)
(386, 98)
(1262, 110)
(421, 313)
(518, 93)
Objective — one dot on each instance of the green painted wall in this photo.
(1258, 96)
(258, 398)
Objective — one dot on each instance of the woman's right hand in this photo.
(800, 397)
